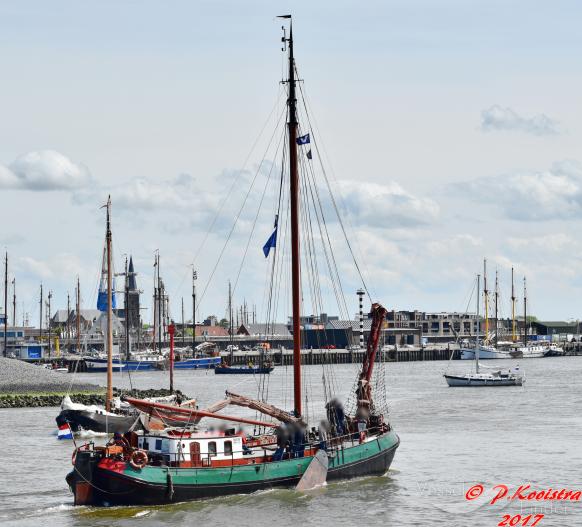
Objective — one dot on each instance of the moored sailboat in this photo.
(111, 418)
(492, 377)
(188, 464)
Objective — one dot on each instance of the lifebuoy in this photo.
(138, 459)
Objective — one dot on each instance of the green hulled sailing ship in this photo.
(181, 464)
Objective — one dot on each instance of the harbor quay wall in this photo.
(343, 356)
(284, 357)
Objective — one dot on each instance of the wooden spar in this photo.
(14, 301)
(486, 301)
(155, 302)
(230, 328)
(48, 323)
(160, 320)
(260, 406)
(478, 325)
(126, 308)
(78, 317)
(109, 313)
(496, 313)
(68, 318)
(295, 255)
(194, 276)
(183, 332)
(513, 335)
(171, 329)
(6, 304)
(40, 317)
(165, 409)
(524, 312)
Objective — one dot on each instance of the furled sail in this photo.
(259, 406)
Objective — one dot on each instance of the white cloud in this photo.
(497, 118)
(43, 170)
(531, 196)
(140, 195)
(385, 205)
(61, 267)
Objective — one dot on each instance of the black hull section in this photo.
(82, 419)
(118, 489)
(242, 371)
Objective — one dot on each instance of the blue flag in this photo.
(303, 139)
(271, 242)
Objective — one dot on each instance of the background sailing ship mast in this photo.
(109, 396)
(513, 300)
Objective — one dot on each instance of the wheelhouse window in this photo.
(212, 448)
(228, 448)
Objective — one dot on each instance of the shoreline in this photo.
(42, 398)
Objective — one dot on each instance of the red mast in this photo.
(171, 330)
(295, 255)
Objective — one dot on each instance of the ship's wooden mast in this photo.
(295, 254)
(485, 301)
(78, 321)
(126, 303)
(524, 313)
(6, 305)
(109, 398)
(496, 308)
(513, 299)
(478, 324)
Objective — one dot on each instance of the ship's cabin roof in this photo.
(197, 448)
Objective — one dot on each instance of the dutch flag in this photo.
(65, 432)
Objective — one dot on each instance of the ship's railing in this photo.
(332, 444)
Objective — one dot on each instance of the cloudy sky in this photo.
(451, 131)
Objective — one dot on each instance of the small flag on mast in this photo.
(309, 156)
(303, 139)
(272, 241)
(65, 432)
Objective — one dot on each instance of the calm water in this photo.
(452, 438)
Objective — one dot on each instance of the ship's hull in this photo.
(472, 382)
(96, 422)
(484, 353)
(100, 365)
(203, 363)
(117, 483)
(518, 353)
(242, 371)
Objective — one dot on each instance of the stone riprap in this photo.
(18, 377)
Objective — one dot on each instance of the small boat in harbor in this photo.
(94, 418)
(244, 370)
(197, 363)
(493, 377)
(204, 356)
(116, 416)
(135, 363)
(226, 367)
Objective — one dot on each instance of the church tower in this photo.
(132, 307)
